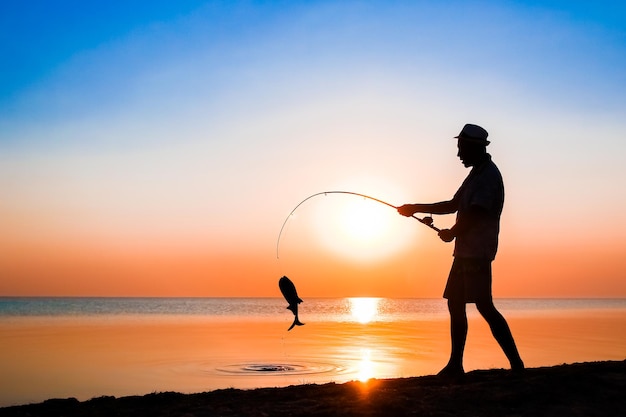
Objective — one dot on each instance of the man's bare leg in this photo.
(458, 335)
(502, 333)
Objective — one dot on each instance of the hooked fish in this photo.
(291, 295)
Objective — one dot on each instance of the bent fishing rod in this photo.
(428, 221)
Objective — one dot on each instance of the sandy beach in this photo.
(580, 389)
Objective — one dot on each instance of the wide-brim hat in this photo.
(474, 134)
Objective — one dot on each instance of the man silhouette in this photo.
(478, 204)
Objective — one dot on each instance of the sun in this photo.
(363, 220)
(359, 228)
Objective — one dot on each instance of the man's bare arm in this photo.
(442, 207)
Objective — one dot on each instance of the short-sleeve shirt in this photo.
(483, 187)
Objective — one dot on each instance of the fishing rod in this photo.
(428, 221)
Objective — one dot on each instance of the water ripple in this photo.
(270, 368)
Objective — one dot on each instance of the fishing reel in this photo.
(428, 220)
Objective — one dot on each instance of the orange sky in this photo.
(417, 269)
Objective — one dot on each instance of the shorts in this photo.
(469, 280)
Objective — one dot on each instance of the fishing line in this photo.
(428, 221)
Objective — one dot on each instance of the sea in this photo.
(57, 347)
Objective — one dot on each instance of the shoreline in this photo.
(586, 389)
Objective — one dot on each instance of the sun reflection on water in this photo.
(364, 309)
(366, 366)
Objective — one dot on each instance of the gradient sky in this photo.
(154, 148)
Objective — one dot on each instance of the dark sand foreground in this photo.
(582, 389)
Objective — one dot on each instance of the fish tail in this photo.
(296, 322)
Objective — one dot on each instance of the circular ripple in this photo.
(269, 368)
(303, 368)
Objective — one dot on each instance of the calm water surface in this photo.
(89, 347)
(326, 309)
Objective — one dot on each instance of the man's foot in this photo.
(452, 372)
(517, 367)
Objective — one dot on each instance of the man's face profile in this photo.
(469, 153)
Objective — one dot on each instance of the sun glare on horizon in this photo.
(364, 309)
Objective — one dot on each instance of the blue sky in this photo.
(124, 123)
(545, 45)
